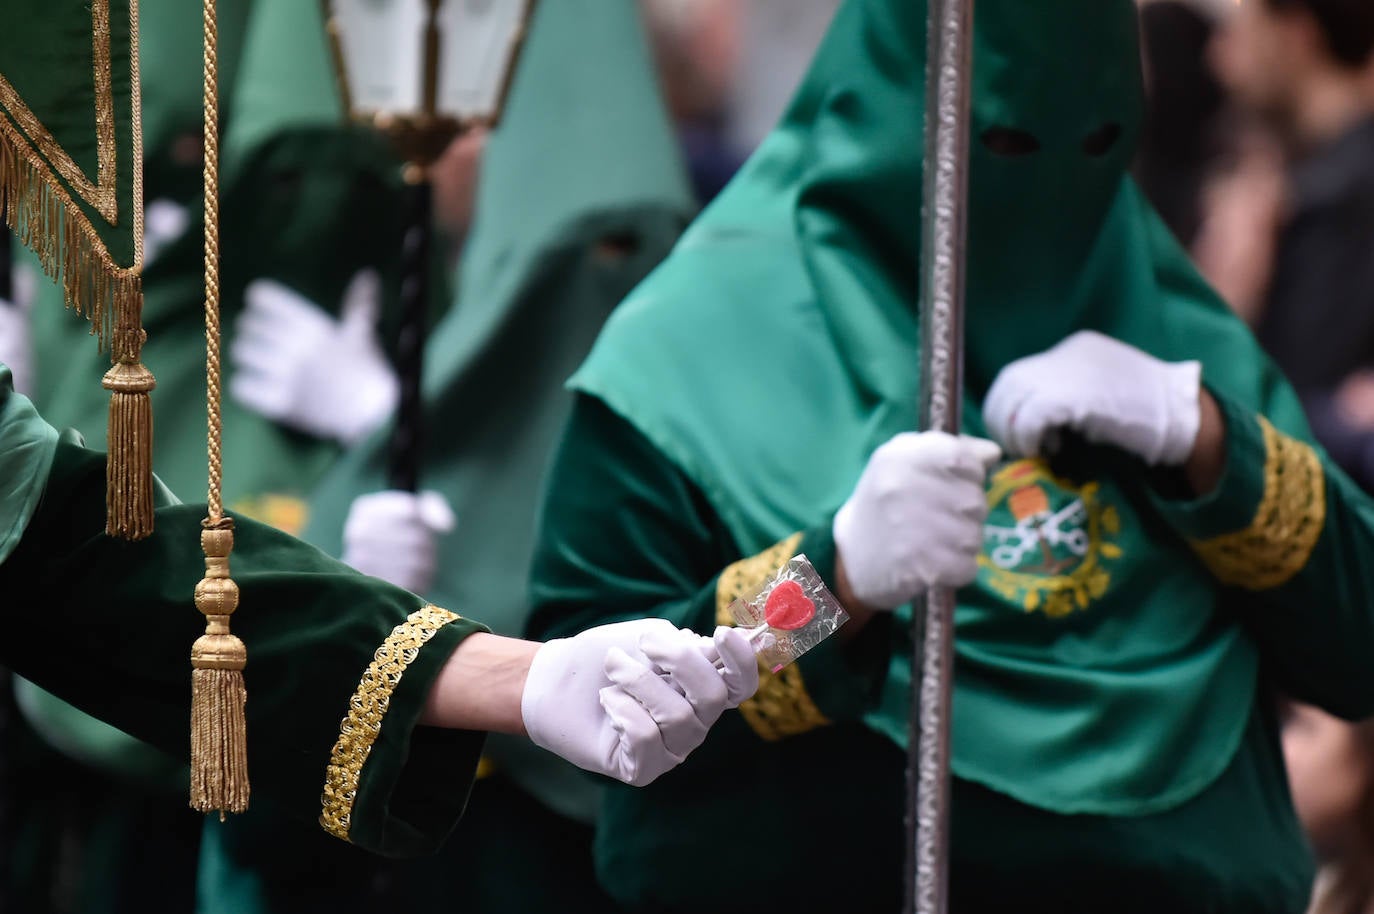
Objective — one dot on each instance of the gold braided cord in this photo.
(1287, 523)
(212, 340)
(782, 706)
(219, 729)
(136, 115)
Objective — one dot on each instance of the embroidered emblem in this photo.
(1046, 542)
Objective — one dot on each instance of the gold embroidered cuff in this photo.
(1286, 527)
(366, 710)
(782, 707)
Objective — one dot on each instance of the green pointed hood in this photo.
(778, 346)
(581, 193)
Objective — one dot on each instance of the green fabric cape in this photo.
(778, 347)
(581, 193)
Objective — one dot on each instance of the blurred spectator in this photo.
(696, 48)
(1181, 143)
(778, 40)
(454, 178)
(1331, 770)
(728, 70)
(1303, 66)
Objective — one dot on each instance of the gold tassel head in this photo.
(219, 755)
(129, 467)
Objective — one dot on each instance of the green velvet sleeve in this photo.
(625, 535)
(1293, 537)
(107, 625)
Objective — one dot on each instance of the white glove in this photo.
(1109, 392)
(915, 520)
(395, 536)
(297, 365)
(631, 700)
(164, 221)
(16, 344)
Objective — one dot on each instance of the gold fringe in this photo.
(219, 754)
(46, 220)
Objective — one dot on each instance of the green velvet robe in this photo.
(106, 624)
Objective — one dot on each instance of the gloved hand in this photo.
(164, 221)
(395, 536)
(631, 700)
(297, 365)
(1109, 392)
(915, 520)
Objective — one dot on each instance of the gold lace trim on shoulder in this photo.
(366, 710)
(1287, 525)
(782, 707)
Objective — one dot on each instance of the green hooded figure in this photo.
(581, 194)
(1114, 735)
(306, 201)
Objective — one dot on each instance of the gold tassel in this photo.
(219, 754)
(45, 219)
(129, 468)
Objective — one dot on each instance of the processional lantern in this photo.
(422, 72)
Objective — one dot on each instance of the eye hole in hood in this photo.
(1010, 142)
(1100, 141)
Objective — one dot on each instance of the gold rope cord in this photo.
(219, 758)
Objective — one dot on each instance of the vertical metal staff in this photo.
(944, 229)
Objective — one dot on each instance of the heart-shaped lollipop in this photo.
(788, 607)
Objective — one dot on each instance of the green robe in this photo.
(1113, 745)
(105, 624)
(557, 241)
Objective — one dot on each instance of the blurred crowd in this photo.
(1258, 152)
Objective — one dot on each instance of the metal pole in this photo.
(944, 230)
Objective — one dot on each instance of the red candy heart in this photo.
(788, 607)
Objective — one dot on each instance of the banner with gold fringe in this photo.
(70, 189)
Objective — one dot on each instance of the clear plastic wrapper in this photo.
(789, 614)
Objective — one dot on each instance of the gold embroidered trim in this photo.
(782, 707)
(100, 194)
(366, 710)
(1287, 525)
